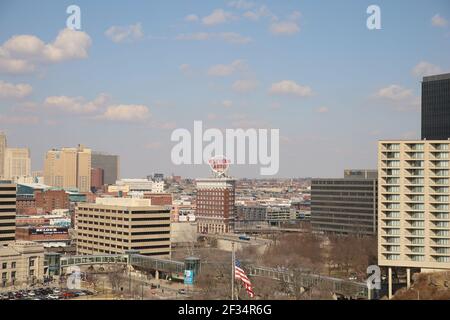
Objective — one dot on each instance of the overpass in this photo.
(234, 238)
(56, 263)
(306, 279)
(269, 230)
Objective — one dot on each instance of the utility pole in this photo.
(129, 282)
(233, 264)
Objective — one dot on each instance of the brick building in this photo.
(215, 205)
(52, 199)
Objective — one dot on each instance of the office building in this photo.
(158, 177)
(3, 146)
(251, 212)
(21, 262)
(436, 107)
(50, 200)
(275, 215)
(158, 199)
(97, 178)
(16, 163)
(7, 212)
(115, 225)
(215, 205)
(68, 168)
(346, 205)
(110, 165)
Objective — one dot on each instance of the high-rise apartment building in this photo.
(7, 212)
(114, 225)
(68, 168)
(3, 146)
(215, 205)
(436, 107)
(110, 165)
(16, 163)
(414, 200)
(346, 205)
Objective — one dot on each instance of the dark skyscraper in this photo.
(436, 107)
(110, 165)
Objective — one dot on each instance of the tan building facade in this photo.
(21, 262)
(7, 212)
(17, 163)
(68, 168)
(414, 199)
(114, 225)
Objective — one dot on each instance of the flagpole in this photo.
(233, 264)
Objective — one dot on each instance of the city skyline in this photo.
(135, 75)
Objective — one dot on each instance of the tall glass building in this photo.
(436, 107)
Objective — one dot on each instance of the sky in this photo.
(138, 70)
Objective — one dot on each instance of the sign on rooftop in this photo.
(219, 165)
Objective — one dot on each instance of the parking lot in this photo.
(44, 294)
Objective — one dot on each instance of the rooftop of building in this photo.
(437, 77)
(17, 247)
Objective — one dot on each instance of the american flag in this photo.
(239, 273)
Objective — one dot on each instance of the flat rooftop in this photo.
(436, 77)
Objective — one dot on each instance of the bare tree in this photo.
(116, 278)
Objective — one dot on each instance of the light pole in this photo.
(233, 262)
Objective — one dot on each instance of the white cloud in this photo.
(25, 120)
(295, 15)
(261, 12)
(185, 68)
(284, 28)
(425, 68)
(15, 91)
(394, 92)
(23, 53)
(229, 37)
(218, 16)
(399, 97)
(241, 4)
(227, 103)
(129, 33)
(288, 87)
(76, 105)
(322, 110)
(198, 36)
(438, 21)
(233, 37)
(223, 70)
(123, 112)
(243, 86)
(191, 18)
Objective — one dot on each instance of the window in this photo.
(4, 265)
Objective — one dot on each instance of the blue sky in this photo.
(309, 68)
